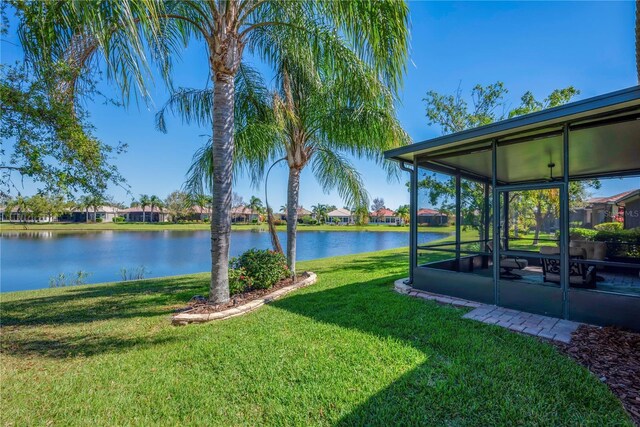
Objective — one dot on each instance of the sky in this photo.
(530, 46)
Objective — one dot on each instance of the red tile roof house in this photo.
(135, 214)
(244, 214)
(432, 217)
(623, 207)
(384, 216)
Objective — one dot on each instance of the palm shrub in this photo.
(264, 267)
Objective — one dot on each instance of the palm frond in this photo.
(334, 171)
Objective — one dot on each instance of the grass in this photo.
(139, 226)
(346, 351)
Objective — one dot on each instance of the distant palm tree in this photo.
(404, 213)
(255, 204)
(144, 201)
(203, 202)
(320, 211)
(85, 203)
(155, 202)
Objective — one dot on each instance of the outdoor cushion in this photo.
(593, 250)
(580, 275)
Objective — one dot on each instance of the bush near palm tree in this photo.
(376, 31)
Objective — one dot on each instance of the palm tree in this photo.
(404, 213)
(255, 204)
(85, 203)
(320, 211)
(144, 201)
(97, 200)
(202, 201)
(376, 31)
(320, 119)
(155, 201)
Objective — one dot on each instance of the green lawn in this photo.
(346, 351)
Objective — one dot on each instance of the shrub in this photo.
(308, 220)
(118, 219)
(98, 219)
(609, 226)
(264, 267)
(279, 222)
(239, 281)
(580, 234)
(620, 243)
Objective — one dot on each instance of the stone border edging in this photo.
(184, 318)
(402, 288)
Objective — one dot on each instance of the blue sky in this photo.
(536, 46)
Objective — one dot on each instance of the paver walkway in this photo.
(520, 321)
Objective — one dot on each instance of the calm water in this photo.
(28, 260)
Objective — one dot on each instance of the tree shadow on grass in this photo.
(77, 345)
(474, 374)
(145, 298)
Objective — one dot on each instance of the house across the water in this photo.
(340, 216)
(432, 217)
(384, 216)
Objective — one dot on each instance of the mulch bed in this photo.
(200, 305)
(614, 356)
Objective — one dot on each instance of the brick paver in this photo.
(533, 324)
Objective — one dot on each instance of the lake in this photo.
(29, 259)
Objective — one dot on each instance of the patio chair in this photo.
(580, 275)
(507, 265)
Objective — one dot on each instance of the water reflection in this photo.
(29, 259)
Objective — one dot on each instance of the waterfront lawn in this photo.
(346, 351)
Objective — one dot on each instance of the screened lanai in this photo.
(517, 185)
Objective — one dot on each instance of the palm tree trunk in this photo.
(143, 215)
(222, 152)
(293, 192)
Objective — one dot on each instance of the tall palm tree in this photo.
(321, 118)
(155, 202)
(144, 201)
(376, 31)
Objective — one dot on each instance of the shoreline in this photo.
(89, 227)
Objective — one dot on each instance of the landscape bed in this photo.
(346, 351)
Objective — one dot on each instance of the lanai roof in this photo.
(604, 139)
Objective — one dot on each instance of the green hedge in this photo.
(620, 243)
